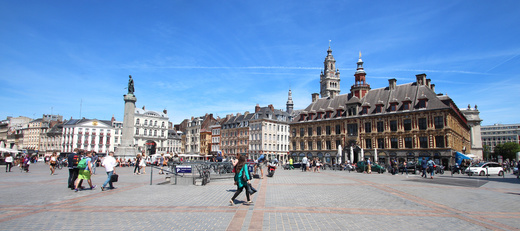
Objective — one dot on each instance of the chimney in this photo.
(192, 118)
(428, 82)
(432, 87)
(113, 119)
(257, 108)
(246, 113)
(392, 83)
(421, 79)
(271, 107)
(315, 97)
(143, 108)
(165, 111)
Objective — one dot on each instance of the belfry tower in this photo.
(290, 104)
(329, 78)
(360, 87)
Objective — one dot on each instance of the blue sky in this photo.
(222, 57)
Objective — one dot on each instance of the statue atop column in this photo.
(130, 85)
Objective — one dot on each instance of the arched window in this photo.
(137, 121)
(145, 122)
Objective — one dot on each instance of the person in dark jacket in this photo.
(424, 166)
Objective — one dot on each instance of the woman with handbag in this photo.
(242, 179)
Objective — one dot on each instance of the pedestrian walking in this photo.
(424, 166)
(142, 164)
(161, 163)
(85, 168)
(404, 168)
(53, 161)
(369, 166)
(291, 167)
(242, 178)
(73, 160)
(94, 162)
(26, 163)
(110, 163)
(137, 163)
(431, 167)
(8, 162)
(304, 163)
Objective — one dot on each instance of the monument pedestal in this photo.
(126, 152)
(127, 149)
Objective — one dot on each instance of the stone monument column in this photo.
(127, 148)
(473, 118)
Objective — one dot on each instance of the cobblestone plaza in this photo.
(291, 200)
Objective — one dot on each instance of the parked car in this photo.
(482, 169)
(361, 167)
(411, 166)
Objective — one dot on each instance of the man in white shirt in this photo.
(304, 164)
(110, 163)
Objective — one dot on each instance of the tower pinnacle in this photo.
(330, 77)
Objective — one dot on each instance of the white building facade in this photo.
(150, 133)
(88, 134)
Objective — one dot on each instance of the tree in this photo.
(507, 150)
(487, 152)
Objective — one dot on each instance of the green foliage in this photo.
(487, 152)
(507, 150)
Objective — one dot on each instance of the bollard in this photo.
(151, 173)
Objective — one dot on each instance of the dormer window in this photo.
(379, 108)
(406, 105)
(338, 113)
(302, 117)
(328, 114)
(422, 103)
(364, 111)
(393, 107)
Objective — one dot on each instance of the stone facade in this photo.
(500, 134)
(404, 122)
(88, 134)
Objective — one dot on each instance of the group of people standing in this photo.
(140, 164)
(23, 162)
(309, 165)
(81, 166)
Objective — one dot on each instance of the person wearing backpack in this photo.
(73, 160)
(85, 167)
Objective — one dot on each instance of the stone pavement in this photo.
(291, 200)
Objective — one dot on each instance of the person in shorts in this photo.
(84, 174)
(258, 165)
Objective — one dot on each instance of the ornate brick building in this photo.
(406, 122)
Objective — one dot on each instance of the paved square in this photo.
(291, 200)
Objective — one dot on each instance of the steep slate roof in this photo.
(264, 112)
(400, 94)
(385, 96)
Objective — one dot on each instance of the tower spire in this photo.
(360, 87)
(330, 77)
(290, 104)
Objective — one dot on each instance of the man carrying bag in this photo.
(110, 163)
